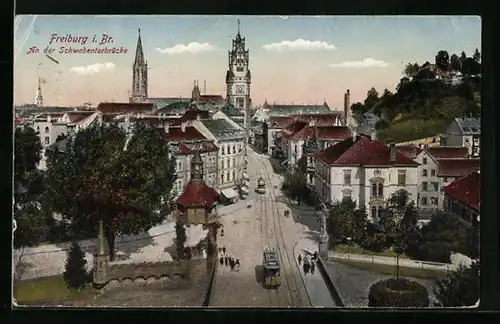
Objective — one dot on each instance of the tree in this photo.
(454, 62)
(27, 151)
(180, 238)
(371, 99)
(347, 221)
(31, 226)
(75, 274)
(94, 178)
(411, 70)
(405, 293)
(358, 108)
(61, 137)
(442, 60)
(463, 57)
(458, 288)
(296, 183)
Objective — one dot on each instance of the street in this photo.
(249, 231)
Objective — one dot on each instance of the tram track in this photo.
(288, 264)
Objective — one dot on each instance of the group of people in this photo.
(309, 264)
(228, 260)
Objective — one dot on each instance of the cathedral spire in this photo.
(139, 54)
(239, 27)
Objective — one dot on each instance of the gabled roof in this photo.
(467, 190)
(230, 111)
(411, 150)
(469, 126)
(447, 152)
(324, 133)
(177, 134)
(125, 107)
(362, 150)
(192, 114)
(221, 128)
(280, 121)
(75, 117)
(160, 103)
(197, 194)
(293, 128)
(174, 108)
(457, 167)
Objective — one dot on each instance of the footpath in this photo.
(392, 261)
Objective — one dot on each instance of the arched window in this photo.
(46, 129)
(374, 190)
(374, 212)
(380, 190)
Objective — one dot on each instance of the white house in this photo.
(365, 170)
(464, 132)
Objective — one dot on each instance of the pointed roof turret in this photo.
(139, 53)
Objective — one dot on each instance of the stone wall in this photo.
(329, 283)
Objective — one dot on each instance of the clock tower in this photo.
(238, 76)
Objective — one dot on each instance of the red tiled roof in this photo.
(448, 152)
(205, 147)
(280, 121)
(190, 133)
(125, 107)
(197, 194)
(362, 151)
(192, 114)
(410, 151)
(457, 167)
(326, 133)
(467, 190)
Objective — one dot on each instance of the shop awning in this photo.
(229, 193)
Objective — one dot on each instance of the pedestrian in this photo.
(231, 264)
(299, 258)
(224, 250)
(221, 260)
(222, 232)
(315, 255)
(237, 265)
(306, 267)
(312, 268)
(226, 259)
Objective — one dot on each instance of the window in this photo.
(234, 175)
(347, 177)
(240, 102)
(223, 150)
(374, 190)
(239, 69)
(424, 186)
(47, 140)
(434, 201)
(222, 178)
(380, 190)
(234, 149)
(424, 173)
(401, 177)
(374, 212)
(377, 190)
(240, 148)
(46, 129)
(295, 148)
(424, 200)
(435, 186)
(424, 161)
(179, 166)
(433, 172)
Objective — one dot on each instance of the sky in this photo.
(293, 59)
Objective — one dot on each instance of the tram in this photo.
(271, 267)
(261, 186)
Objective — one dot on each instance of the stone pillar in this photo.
(101, 261)
(323, 239)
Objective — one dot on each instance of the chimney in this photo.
(205, 87)
(347, 103)
(183, 127)
(392, 150)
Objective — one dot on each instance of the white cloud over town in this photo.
(193, 48)
(93, 69)
(366, 63)
(299, 45)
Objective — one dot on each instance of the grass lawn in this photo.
(388, 269)
(47, 289)
(359, 250)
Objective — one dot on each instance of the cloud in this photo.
(189, 48)
(283, 17)
(366, 63)
(93, 69)
(299, 45)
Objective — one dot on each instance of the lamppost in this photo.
(349, 248)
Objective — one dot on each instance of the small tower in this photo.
(195, 94)
(197, 166)
(310, 146)
(39, 97)
(140, 74)
(347, 104)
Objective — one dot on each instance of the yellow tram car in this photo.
(271, 267)
(261, 186)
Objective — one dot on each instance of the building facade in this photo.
(464, 132)
(366, 171)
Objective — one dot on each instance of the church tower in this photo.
(140, 75)
(238, 76)
(39, 97)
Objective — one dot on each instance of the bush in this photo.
(405, 293)
(381, 124)
(75, 275)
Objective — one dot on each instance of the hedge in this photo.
(386, 293)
